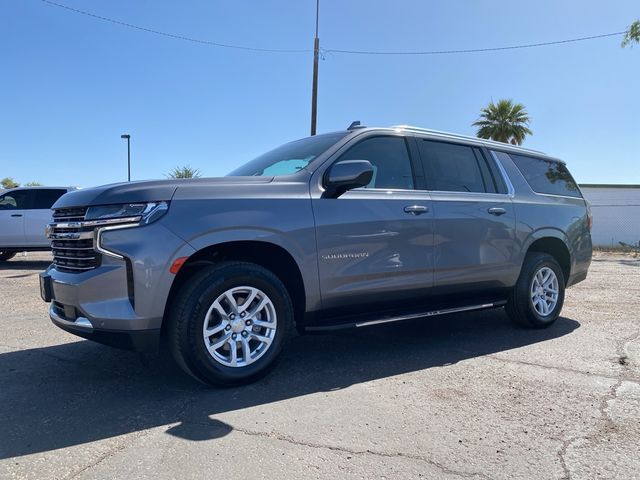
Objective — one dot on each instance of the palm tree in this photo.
(184, 172)
(632, 34)
(504, 121)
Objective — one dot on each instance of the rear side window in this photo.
(45, 198)
(453, 168)
(546, 176)
(390, 159)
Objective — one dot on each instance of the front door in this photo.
(375, 244)
(13, 206)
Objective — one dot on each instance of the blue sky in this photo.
(70, 84)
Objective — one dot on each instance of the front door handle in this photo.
(16, 214)
(497, 211)
(416, 209)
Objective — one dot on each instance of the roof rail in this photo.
(411, 128)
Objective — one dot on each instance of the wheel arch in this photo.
(269, 255)
(553, 243)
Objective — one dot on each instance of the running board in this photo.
(400, 318)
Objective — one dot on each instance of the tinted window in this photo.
(390, 160)
(18, 200)
(289, 158)
(45, 198)
(501, 186)
(451, 168)
(546, 176)
(489, 182)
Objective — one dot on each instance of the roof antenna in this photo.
(355, 125)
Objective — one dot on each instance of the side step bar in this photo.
(400, 318)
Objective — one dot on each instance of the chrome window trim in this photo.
(457, 137)
(505, 177)
(558, 196)
(455, 192)
(385, 190)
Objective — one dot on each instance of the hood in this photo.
(145, 191)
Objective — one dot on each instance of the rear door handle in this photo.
(416, 209)
(16, 214)
(497, 211)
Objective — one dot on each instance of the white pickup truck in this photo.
(24, 214)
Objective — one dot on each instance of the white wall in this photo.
(616, 214)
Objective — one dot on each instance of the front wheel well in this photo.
(268, 255)
(557, 249)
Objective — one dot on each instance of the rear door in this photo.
(474, 220)
(375, 243)
(37, 217)
(13, 206)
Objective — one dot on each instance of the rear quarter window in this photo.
(546, 176)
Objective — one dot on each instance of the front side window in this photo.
(390, 160)
(289, 158)
(452, 168)
(18, 200)
(546, 176)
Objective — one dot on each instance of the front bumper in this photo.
(138, 340)
(121, 302)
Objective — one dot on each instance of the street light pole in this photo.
(314, 90)
(128, 137)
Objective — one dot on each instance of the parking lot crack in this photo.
(551, 367)
(106, 455)
(377, 453)
(607, 423)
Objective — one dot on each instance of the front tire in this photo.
(538, 296)
(4, 255)
(229, 322)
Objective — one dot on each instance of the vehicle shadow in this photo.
(29, 265)
(71, 394)
(630, 261)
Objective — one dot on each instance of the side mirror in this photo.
(347, 175)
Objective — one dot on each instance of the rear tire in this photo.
(219, 338)
(4, 256)
(538, 296)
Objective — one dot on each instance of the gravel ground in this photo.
(462, 396)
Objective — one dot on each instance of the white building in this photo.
(616, 213)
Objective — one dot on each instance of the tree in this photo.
(504, 121)
(9, 182)
(632, 35)
(184, 172)
(33, 184)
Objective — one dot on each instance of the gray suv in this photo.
(345, 229)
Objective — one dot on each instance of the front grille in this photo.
(74, 214)
(72, 242)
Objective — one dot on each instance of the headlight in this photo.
(142, 213)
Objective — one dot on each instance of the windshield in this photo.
(289, 158)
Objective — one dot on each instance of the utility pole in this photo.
(314, 90)
(128, 137)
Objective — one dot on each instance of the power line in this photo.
(338, 51)
(476, 50)
(172, 35)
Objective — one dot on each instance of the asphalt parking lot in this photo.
(464, 396)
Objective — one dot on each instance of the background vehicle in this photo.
(345, 229)
(24, 214)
